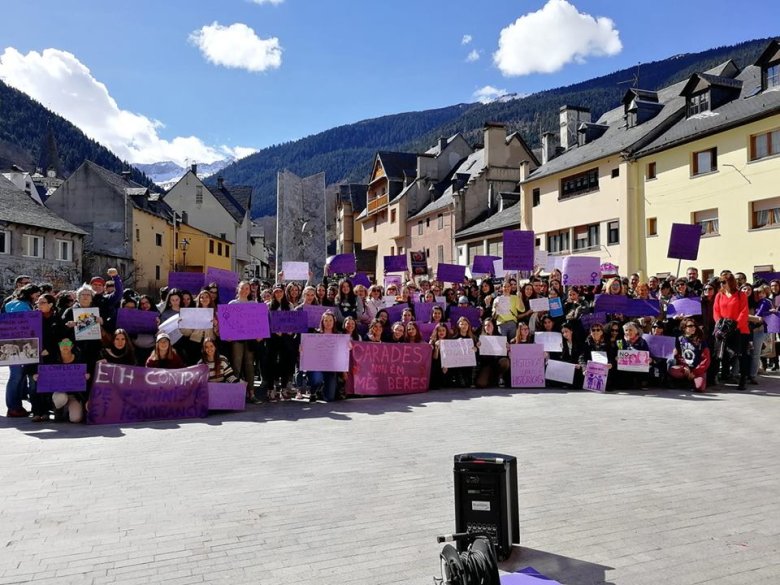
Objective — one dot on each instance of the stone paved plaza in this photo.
(628, 489)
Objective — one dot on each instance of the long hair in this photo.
(730, 283)
(205, 358)
(128, 351)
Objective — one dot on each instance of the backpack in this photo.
(725, 328)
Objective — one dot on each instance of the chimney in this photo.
(194, 169)
(184, 217)
(570, 118)
(126, 175)
(220, 183)
(549, 142)
(442, 144)
(495, 142)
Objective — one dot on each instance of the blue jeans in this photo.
(325, 380)
(755, 357)
(15, 388)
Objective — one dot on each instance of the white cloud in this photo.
(546, 40)
(59, 81)
(472, 56)
(237, 46)
(489, 94)
(274, 2)
(466, 39)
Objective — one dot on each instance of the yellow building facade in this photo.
(152, 250)
(197, 250)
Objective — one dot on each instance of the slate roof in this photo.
(750, 105)
(509, 217)
(356, 194)
(16, 206)
(138, 194)
(469, 168)
(236, 200)
(398, 165)
(618, 138)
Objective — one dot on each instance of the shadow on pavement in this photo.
(557, 567)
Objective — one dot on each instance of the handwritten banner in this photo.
(342, 264)
(225, 396)
(242, 321)
(314, 314)
(189, 281)
(325, 352)
(289, 322)
(21, 325)
(62, 378)
(633, 360)
(581, 270)
(396, 263)
(527, 369)
(450, 273)
(471, 313)
(129, 394)
(136, 321)
(389, 368)
(596, 377)
(660, 346)
(684, 241)
(518, 250)
(457, 353)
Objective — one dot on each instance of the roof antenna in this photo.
(634, 81)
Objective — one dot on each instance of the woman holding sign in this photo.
(219, 366)
(69, 406)
(89, 349)
(507, 310)
(324, 384)
(438, 374)
(193, 338)
(491, 368)
(463, 377)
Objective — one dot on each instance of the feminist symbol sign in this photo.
(581, 270)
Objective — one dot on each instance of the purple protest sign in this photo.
(423, 311)
(686, 306)
(581, 270)
(325, 352)
(595, 377)
(191, 281)
(226, 282)
(314, 314)
(473, 314)
(661, 346)
(611, 303)
(518, 250)
(393, 280)
(772, 321)
(426, 330)
(395, 312)
(684, 241)
(396, 263)
(242, 321)
(450, 272)
(768, 276)
(641, 307)
(483, 264)
(288, 322)
(361, 278)
(590, 319)
(62, 378)
(23, 325)
(377, 369)
(527, 365)
(342, 264)
(224, 396)
(137, 321)
(128, 394)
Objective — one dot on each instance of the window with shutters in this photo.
(32, 246)
(705, 161)
(64, 250)
(652, 226)
(765, 213)
(708, 221)
(764, 145)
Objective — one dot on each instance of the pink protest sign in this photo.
(389, 368)
(633, 360)
(325, 352)
(224, 396)
(527, 367)
(242, 321)
(595, 377)
(581, 270)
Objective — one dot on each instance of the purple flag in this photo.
(137, 321)
(611, 303)
(361, 278)
(191, 281)
(684, 241)
(314, 314)
(484, 264)
(396, 263)
(471, 313)
(128, 394)
(23, 325)
(518, 250)
(641, 307)
(225, 396)
(288, 322)
(450, 273)
(62, 378)
(243, 321)
(342, 264)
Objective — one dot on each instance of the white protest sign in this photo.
(541, 305)
(560, 372)
(457, 353)
(295, 270)
(196, 318)
(492, 345)
(551, 340)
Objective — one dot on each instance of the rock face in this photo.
(300, 220)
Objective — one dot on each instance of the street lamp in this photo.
(184, 243)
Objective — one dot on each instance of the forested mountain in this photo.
(24, 128)
(345, 153)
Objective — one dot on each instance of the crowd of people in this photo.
(727, 342)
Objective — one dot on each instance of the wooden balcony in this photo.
(376, 204)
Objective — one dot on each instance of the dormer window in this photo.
(769, 62)
(699, 103)
(772, 76)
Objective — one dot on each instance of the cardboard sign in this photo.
(396, 263)
(558, 371)
(17, 352)
(483, 265)
(419, 263)
(389, 368)
(581, 270)
(556, 307)
(288, 322)
(296, 271)
(450, 273)
(342, 264)
(518, 250)
(684, 241)
(457, 353)
(389, 300)
(599, 357)
(552, 341)
(136, 321)
(129, 394)
(471, 313)
(226, 280)
(527, 368)
(633, 360)
(196, 318)
(225, 396)
(24, 324)
(87, 325)
(595, 377)
(62, 378)
(492, 345)
(661, 346)
(189, 281)
(688, 306)
(242, 321)
(314, 314)
(325, 352)
(540, 305)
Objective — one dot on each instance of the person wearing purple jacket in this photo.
(761, 307)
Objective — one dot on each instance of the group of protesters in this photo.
(726, 342)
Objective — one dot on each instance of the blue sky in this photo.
(193, 79)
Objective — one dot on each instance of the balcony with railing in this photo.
(377, 204)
